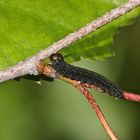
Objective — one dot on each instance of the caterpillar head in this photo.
(56, 57)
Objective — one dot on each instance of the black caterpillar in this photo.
(84, 76)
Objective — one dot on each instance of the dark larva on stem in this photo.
(84, 76)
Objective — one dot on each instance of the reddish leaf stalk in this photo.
(99, 113)
(94, 105)
(131, 96)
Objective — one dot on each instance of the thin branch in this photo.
(29, 66)
(94, 105)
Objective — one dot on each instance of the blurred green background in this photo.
(56, 111)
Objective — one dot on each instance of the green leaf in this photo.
(26, 27)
